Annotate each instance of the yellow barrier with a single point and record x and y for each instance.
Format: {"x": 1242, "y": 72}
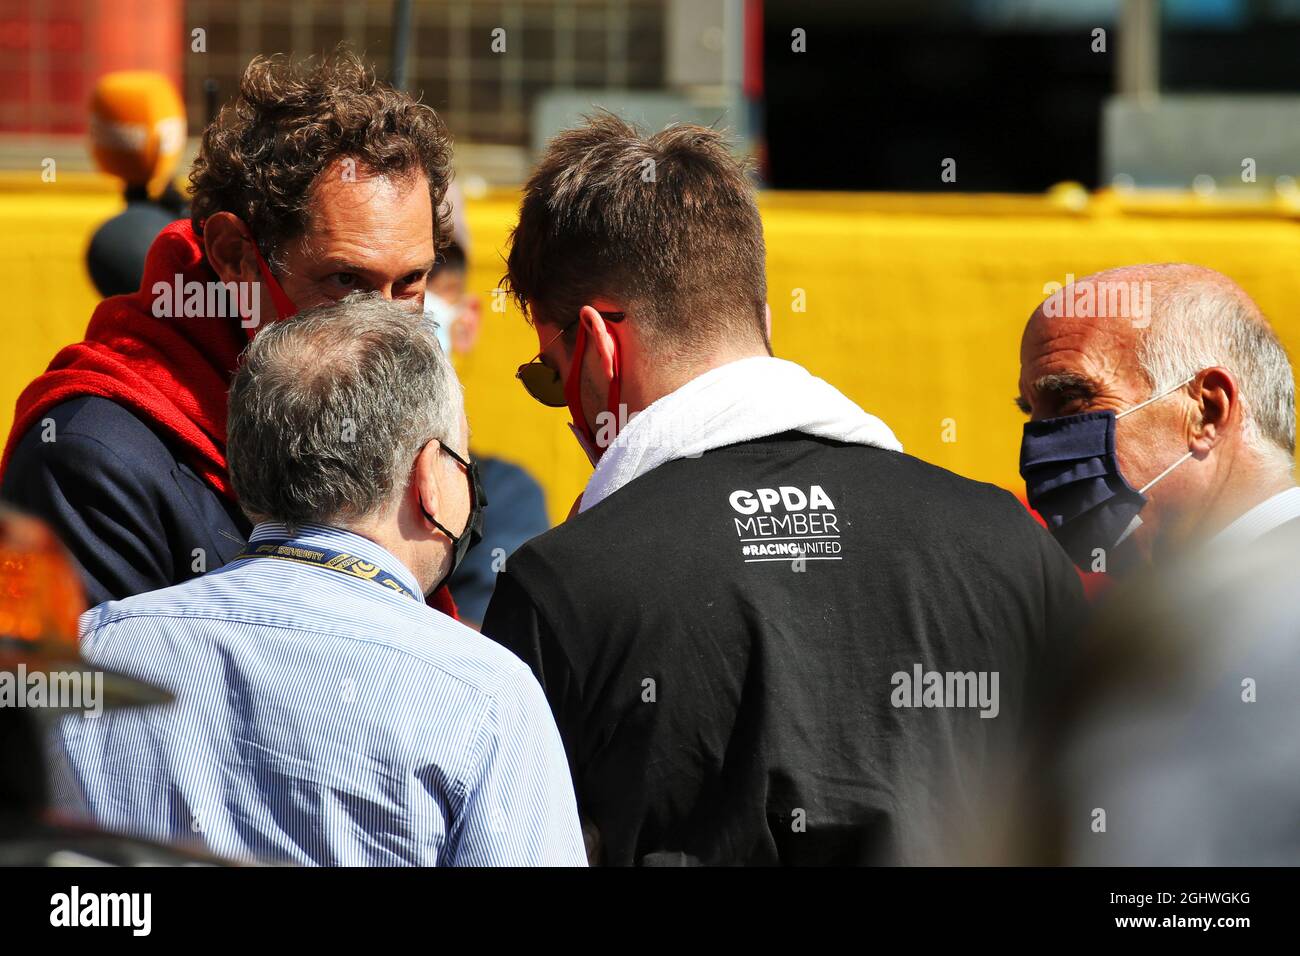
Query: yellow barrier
{"x": 912, "y": 305}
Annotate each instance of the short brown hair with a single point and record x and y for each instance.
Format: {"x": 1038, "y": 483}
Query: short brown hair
{"x": 260, "y": 157}
{"x": 666, "y": 223}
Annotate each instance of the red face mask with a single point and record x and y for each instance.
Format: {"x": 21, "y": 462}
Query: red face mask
{"x": 573, "y": 393}
{"x": 284, "y": 306}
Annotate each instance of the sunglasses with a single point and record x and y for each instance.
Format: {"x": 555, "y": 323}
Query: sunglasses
{"x": 544, "y": 383}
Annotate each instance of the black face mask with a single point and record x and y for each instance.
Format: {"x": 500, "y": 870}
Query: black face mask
{"x": 1072, "y": 478}
{"x": 473, "y": 531}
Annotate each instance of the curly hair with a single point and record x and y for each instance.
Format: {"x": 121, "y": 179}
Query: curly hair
{"x": 262, "y": 154}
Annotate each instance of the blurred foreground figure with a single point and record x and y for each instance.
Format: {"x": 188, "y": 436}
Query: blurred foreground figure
{"x": 767, "y": 635}
{"x": 1162, "y": 411}
{"x": 137, "y": 132}
{"x": 324, "y": 713}
{"x": 1179, "y": 746}
{"x": 42, "y": 678}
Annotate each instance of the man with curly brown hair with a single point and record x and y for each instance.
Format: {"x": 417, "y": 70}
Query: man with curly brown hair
{"x": 317, "y": 181}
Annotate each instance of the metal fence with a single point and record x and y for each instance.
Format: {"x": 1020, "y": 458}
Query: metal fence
{"x": 481, "y": 80}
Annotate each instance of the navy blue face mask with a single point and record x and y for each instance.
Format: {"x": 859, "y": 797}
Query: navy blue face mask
{"x": 1072, "y": 478}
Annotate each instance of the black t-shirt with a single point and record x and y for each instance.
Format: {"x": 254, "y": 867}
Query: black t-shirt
{"x": 744, "y": 651}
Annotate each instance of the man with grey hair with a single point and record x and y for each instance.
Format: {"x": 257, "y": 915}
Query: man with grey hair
{"x": 1190, "y": 357}
{"x": 325, "y": 714}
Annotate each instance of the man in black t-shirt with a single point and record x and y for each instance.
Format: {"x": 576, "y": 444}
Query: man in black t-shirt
{"x": 767, "y": 635}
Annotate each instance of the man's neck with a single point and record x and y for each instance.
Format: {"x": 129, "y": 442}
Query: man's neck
{"x": 389, "y": 536}
{"x": 668, "y": 377}
{"x": 1250, "y": 484}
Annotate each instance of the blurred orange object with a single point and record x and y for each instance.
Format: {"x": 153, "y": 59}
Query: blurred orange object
{"x": 40, "y": 596}
{"x": 40, "y": 601}
{"x": 137, "y": 127}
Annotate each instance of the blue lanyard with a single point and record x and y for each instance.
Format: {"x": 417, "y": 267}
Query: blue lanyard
{"x": 349, "y": 564}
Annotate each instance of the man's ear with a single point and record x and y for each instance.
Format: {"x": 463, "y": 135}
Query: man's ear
{"x": 424, "y": 478}
{"x": 228, "y": 248}
{"x": 1216, "y": 409}
{"x": 600, "y": 343}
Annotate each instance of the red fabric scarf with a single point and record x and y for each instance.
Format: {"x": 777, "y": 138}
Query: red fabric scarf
{"x": 172, "y": 373}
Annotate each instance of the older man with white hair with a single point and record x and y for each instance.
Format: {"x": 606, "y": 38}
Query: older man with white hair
{"x": 324, "y": 713}
{"x": 1162, "y": 411}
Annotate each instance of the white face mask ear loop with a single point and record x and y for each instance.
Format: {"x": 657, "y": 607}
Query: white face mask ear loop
{"x": 1143, "y": 490}
{"x": 1155, "y": 398}
{"x": 1132, "y": 526}
{"x": 1137, "y": 519}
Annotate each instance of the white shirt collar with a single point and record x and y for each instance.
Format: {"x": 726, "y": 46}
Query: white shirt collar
{"x": 1261, "y": 519}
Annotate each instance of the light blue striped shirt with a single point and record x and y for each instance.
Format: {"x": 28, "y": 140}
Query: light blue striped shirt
{"x": 320, "y": 719}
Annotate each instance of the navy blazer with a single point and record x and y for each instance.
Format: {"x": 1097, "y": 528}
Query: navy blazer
{"x": 515, "y": 513}
{"x": 135, "y": 516}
